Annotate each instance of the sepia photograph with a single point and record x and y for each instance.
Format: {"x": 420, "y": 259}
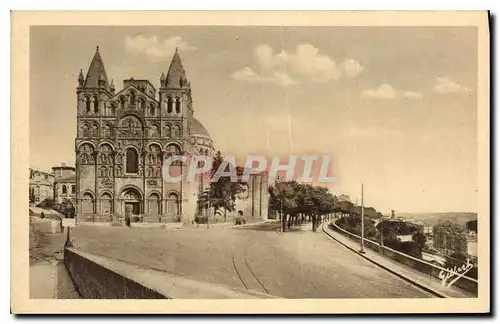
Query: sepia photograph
{"x": 328, "y": 162}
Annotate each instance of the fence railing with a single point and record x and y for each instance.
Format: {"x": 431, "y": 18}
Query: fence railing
{"x": 446, "y": 276}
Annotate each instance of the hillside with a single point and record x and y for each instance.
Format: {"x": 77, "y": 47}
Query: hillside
{"x": 431, "y": 219}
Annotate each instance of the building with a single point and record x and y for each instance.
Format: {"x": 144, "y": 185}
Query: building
{"x": 64, "y": 185}
{"x": 41, "y": 187}
{"x": 450, "y": 238}
{"x": 123, "y": 138}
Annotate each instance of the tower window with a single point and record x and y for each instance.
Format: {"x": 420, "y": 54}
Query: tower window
{"x": 73, "y": 189}
{"x": 64, "y": 189}
{"x": 132, "y": 161}
{"x": 96, "y": 105}
{"x": 178, "y": 106}
{"x": 87, "y": 104}
{"x": 142, "y": 104}
{"x": 169, "y": 105}
{"x": 132, "y": 98}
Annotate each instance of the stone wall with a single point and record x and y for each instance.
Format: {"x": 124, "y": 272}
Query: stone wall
{"x": 93, "y": 280}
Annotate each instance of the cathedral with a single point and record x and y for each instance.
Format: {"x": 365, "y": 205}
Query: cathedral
{"x": 123, "y": 138}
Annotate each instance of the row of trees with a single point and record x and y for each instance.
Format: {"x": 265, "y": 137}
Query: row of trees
{"x": 296, "y": 202}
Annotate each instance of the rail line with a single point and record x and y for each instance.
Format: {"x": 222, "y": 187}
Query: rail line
{"x": 238, "y": 272}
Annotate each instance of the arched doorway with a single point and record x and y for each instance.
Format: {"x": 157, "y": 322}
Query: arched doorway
{"x": 131, "y": 201}
{"x": 173, "y": 204}
{"x": 154, "y": 204}
{"x": 88, "y": 203}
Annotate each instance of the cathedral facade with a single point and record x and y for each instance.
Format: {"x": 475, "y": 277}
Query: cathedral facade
{"x": 123, "y": 138}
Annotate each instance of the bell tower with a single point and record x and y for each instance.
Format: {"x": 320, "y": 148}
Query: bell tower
{"x": 175, "y": 96}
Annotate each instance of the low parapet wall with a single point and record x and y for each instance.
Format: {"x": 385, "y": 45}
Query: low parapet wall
{"x": 99, "y": 277}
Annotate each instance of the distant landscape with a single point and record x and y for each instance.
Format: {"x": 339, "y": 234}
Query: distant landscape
{"x": 431, "y": 219}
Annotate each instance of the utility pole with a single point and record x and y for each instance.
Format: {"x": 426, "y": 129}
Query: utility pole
{"x": 362, "y": 250}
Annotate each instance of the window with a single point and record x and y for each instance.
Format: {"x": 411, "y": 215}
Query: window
{"x": 112, "y": 110}
{"x": 169, "y": 105}
{"x": 96, "y": 105}
{"x": 64, "y": 189}
{"x": 122, "y": 102}
{"x": 142, "y": 104}
{"x": 132, "y": 161}
{"x": 178, "y": 106}
{"x": 73, "y": 189}
{"x": 87, "y": 104}
{"x": 132, "y": 98}
{"x": 152, "y": 110}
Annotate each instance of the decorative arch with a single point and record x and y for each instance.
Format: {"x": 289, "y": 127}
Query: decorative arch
{"x": 154, "y": 130}
{"x": 177, "y": 131}
{"x": 108, "y": 143}
{"x": 86, "y": 146}
{"x": 142, "y": 104}
{"x": 168, "y": 131}
{"x": 107, "y": 130}
{"x": 88, "y": 202}
{"x": 95, "y": 129}
{"x": 173, "y": 203}
{"x": 152, "y": 110}
{"x": 132, "y": 97}
{"x": 173, "y": 147}
{"x": 153, "y": 144}
{"x": 122, "y": 102}
{"x": 106, "y": 203}
{"x": 154, "y": 203}
{"x": 85, "y": 130}
{"x": 131, "y": 192}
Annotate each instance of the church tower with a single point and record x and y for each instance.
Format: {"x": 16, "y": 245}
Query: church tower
{"x": 175, "y": 98}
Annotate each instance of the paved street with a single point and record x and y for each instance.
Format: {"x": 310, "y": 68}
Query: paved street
{"x": 299, "y": 264}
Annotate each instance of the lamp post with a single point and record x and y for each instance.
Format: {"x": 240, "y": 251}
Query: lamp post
{"x": 362, "y": 250}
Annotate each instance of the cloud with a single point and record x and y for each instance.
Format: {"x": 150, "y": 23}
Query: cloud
{"x": 447, "y": 85}
{"x": 385, "y": 91}
{"x": 305, "y": 64}
{"x": 155, "y": 48}
{"x": 248, "y": 75}
{"x": 412, "y": 95}
{"x": 352, "y": 68}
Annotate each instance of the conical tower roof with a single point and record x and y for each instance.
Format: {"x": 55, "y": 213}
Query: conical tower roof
{"x": 176, "y": 75}
{"x": 96, "y": 72}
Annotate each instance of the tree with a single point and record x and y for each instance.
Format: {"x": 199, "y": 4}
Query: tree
{"x": 223, "y": 192}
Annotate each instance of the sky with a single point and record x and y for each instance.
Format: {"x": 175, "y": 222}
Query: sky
{"x": 394, "y": 107}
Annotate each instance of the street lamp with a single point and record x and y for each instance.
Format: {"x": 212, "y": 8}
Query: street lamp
{"x": 362, "y": 250}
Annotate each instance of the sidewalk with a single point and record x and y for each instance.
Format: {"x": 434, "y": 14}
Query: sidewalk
{"x": 48, "y": 275}
{"x": 414, "y": 276}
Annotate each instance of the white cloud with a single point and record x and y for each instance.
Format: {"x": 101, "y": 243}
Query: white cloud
{"x": 305, "y": 64}
{"x": 385, "y": 91}
{"x": 412, "y": 95}
{"x": 247, "y": 74}
{"x": 155, "y": 48}
{"x": 352, "y": 68}
{"x": 447, "y": 85}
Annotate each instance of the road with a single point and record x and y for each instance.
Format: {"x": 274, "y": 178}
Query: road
{"x": 299, "y": 264}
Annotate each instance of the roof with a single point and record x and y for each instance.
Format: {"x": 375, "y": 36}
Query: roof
{"x": 197, "y": 128}
{"x": 176, "y": 72}
{"x": 96, "y": 72}
{"x": 71, "y": 178}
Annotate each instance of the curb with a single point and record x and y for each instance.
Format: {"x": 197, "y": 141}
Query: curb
{"x": 408, "y": 279}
